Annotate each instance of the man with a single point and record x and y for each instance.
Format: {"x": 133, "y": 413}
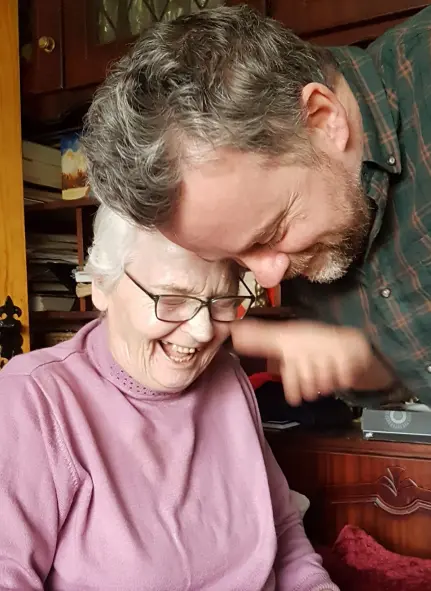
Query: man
{"x": 240, "y": 140}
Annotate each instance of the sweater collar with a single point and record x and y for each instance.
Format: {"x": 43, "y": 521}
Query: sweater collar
{"x": 98, "y": 348}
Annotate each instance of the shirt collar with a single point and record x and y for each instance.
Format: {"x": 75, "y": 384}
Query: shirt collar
{"x": 378, "y": 109}
{"x": 380, "y": 117}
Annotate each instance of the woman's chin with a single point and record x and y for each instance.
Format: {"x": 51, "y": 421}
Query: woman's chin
{"x": 175, "y": 374}
{"x": 163, "y": 382}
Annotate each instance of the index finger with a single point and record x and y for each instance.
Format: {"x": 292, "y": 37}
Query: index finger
{"x": 257, "y": 338}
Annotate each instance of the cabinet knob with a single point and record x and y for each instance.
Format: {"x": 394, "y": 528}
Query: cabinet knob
{"x": 46, "y": 44}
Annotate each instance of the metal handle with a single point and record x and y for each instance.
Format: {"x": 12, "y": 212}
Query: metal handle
{"x": 10, "y": 331}
{"x": 46, "y": 44}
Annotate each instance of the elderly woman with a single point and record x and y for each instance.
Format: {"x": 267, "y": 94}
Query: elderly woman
{"x": 132, "y": 457}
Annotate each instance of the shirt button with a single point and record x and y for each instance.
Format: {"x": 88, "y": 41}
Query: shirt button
{"x": 386, "y": 292}
{"x": 429, "y": 368}
{"x": 391, "y": 160}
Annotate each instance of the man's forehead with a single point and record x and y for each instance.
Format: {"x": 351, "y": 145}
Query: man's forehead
{"x": 201, "y": 243}
{"x": 216, "y": 236}
{"x": 216, "y": 230}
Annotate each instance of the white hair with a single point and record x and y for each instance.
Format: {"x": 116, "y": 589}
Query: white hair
{"x": 113, "y": 246}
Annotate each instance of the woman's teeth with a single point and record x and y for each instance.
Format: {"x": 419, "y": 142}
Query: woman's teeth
{"x": 177, "y": 353}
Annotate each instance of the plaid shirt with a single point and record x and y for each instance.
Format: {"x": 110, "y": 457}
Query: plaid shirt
{"x": 389, "y": 294}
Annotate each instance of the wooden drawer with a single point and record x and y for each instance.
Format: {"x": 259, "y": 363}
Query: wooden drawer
{"x": 383, "y": 488}
{"x": 308, "y": 16}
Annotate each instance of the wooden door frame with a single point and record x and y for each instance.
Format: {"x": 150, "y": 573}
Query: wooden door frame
{"x": 13, "y": 271}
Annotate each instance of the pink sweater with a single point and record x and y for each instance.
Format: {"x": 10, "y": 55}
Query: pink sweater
{"x": 107, "y": 486}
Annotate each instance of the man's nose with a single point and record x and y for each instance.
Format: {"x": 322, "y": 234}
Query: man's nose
{"x": 269, "y": 266}
{"x": 201, "y": 326}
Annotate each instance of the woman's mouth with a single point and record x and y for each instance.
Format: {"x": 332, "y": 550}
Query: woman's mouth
{"x": 177, "y": 353}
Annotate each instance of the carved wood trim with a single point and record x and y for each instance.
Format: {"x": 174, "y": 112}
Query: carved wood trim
{"x": 392, "y": 492}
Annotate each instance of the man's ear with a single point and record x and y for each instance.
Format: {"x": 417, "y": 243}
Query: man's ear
{"x": 326, "y": 118}
{"x": 98, "y": 296}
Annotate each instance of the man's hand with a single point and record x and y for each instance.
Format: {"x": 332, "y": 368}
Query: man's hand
{"x": 314, "y": 358}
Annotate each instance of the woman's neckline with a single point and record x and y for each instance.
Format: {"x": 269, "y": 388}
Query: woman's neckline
{"x": 112, "y": 371}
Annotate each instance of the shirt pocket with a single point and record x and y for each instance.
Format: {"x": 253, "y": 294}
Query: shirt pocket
{"x": 401, "y": 311}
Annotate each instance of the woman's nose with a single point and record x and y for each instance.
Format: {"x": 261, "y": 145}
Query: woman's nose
{"x": 268, "y": 266}
{"x": 201, "y": 326}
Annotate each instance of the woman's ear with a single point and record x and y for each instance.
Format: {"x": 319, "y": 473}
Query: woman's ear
{"x": 98, "y": 295}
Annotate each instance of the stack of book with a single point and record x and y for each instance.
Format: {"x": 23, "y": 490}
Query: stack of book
{"x": 51, "y": 258}
{"x": 36, "y": 195}
{"x": 41, "y": 165}
{"x": 52, "y": 248}
{"x": 42, "y": 173}
{"x": 278, "y": 425}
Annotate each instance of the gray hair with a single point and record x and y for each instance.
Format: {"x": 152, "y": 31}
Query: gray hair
{"x": 113, "y": 247}
{"x": 225, "y": 77}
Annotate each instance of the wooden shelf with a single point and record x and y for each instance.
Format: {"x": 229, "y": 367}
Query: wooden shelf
{"x": 62, "y": 204}
{"x": 78, "y": 316}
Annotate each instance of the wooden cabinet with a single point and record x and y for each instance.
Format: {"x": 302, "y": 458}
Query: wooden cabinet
{"x": 382, "y": 487}
{"x": 67, "y": 45}
{"x": 13, "y": 280}
{"x": 41, "y": 41}
{"x": 96, "y": 32}
{"x": 320, "y": 18}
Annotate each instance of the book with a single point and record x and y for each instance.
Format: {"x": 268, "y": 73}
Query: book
{"x": 81, "y": 276}
{"x": 42, "y": 174}
{"x": 47, "y": 287}
{"x": 279, "y": 425}
{"x": 83, "y": 290}
{"x": 54, "y": 303}
{"x": 32, "y": 151}
{"x": 34, "y": 195}
{"x": 41, "y": 165}
{"x": 52, "y": 248}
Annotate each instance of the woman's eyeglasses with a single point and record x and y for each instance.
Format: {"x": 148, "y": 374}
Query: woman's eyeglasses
{"x": 181, "y": 308}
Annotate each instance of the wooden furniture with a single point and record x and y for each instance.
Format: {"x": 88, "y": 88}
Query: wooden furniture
{"x": 343, "y": 22}
{"x": 382, "y": 487}
{"x": 70, "y": 43}
{"x": 73, "y": 218}
{"x": 67, "y": 45}
{"x": 13, "y": 281}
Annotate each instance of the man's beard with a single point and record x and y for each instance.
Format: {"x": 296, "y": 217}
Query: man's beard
{"x": 331, "y": 258}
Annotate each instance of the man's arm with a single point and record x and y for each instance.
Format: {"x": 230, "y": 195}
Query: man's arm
{"x": 314, "y": 358}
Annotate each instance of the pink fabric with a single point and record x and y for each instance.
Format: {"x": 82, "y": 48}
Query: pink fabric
{"x": 358, "y": 563}
{"x": 105, "y": 485}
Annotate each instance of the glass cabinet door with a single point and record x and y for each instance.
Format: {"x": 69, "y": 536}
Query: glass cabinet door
{"x": 121, "y": 20}
{"x": 96, "y": 32}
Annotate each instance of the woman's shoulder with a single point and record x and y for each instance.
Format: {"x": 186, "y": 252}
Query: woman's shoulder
{"x": 226, "y": 376}
{"x": 27, "y": 363}
{"x": 29, "y": 368}
{"x": 226, "y": 366}
{"x": 226, "y": 361}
